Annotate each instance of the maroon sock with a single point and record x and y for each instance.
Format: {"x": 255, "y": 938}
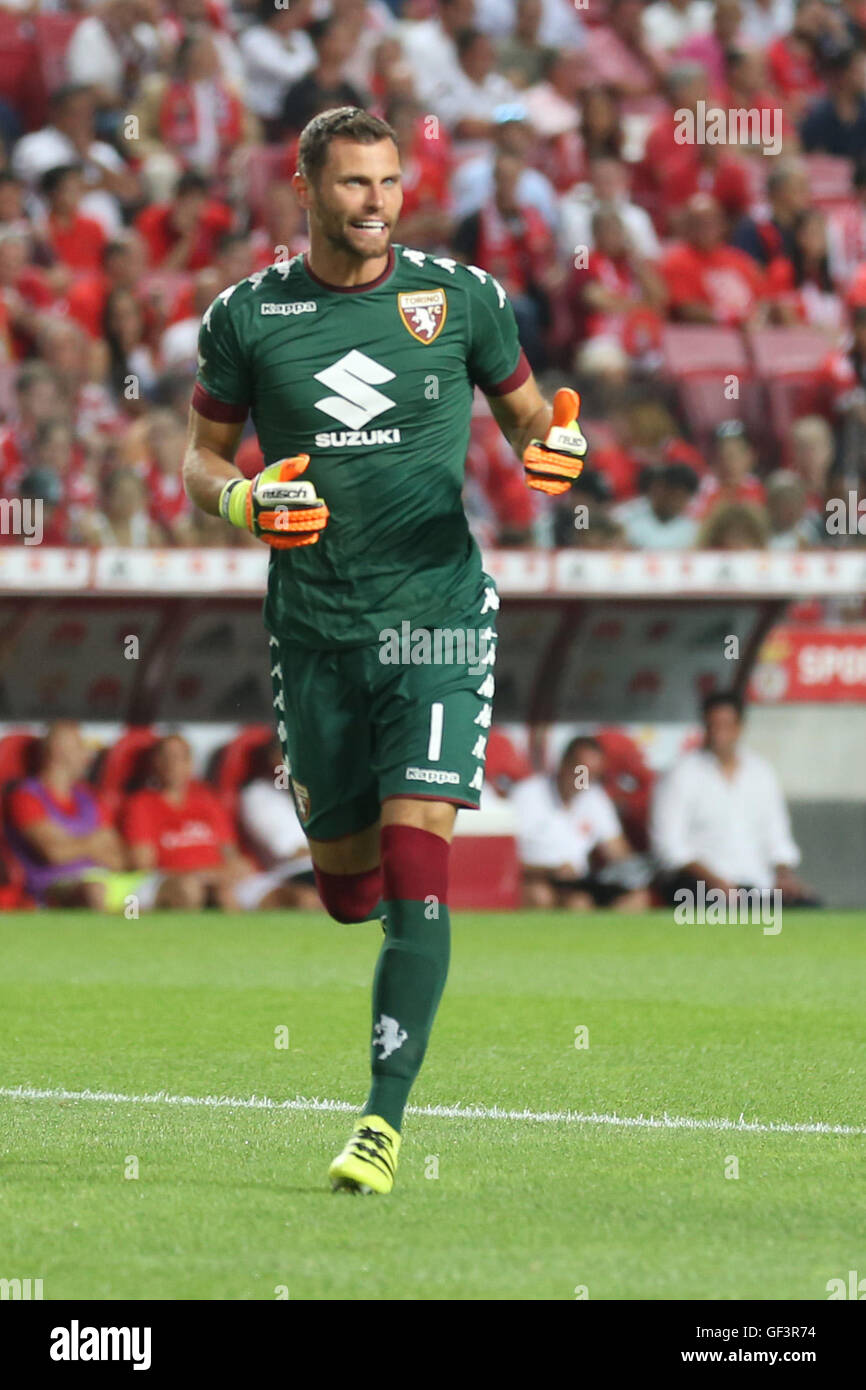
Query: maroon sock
{"x": 350, "y": 897}
{"x": 414, "y": 864}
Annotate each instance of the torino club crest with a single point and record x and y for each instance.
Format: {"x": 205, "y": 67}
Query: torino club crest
{"x": 423, "y": 312}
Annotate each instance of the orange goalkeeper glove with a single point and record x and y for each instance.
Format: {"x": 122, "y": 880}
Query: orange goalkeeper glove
{"x": 552, "y": 464}
{"x": 276, "y": 506}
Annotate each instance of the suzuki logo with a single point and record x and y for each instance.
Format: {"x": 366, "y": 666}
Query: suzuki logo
{"x": 355, "y": 376}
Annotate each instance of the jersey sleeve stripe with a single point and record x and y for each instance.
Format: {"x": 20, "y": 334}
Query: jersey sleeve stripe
{"x": 223, "y": 412}
{"x": 512, "y": 381}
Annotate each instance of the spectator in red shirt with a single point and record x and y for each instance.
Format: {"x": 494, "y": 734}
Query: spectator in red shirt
{"x": 425, "y": 218}
{"x": 38, "y": 398}
{"x": 169, "y": 504}
{"x": 711, "y": 49}
{"x": 793, "y": 60}
{"x": 707, "y": 281}
{"x": 674, "y": 168}
{"x": 618, "y": 54}
{"x": 183, "y": 234}
{"x": 58, "y": 829}
{"x": 24, "y": 291}
{"x": 56, "y": 448}
{"x": 200, "y": 118}
{"x": 732, "y": 479}
{"x": 746, "y": 88}
{"x": 123, "y": 266}
{"x": 514, "y": 244}
{"x": 617, "y": 283}
{"x": 76, "y": 240}
{"x": 181, "y": 830}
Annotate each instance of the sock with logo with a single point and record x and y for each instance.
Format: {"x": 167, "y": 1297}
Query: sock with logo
{"x": 412, "y": 966}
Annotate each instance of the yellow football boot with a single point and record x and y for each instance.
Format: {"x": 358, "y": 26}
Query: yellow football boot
{"x": 369, "y": 1160}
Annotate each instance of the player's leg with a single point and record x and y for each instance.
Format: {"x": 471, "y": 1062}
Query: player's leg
{"x": 431, "y": 727}
{"x": 321, "y": 716}
{"x": 348, "y": 875}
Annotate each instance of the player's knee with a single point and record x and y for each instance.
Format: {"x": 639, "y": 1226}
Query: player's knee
{"x": 350, "y": 897}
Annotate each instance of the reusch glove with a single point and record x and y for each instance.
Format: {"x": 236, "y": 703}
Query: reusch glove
{"x": 552, "y": 464}
{"x": 277, "y": 506}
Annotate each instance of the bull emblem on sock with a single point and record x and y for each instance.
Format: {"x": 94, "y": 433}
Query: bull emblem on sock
{"x": 388, "y": 1035}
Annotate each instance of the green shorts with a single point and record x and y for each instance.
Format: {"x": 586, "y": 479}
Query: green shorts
{"x": 409, "y": 716}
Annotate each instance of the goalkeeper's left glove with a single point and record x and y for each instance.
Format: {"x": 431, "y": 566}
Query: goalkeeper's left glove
{"x": 552, "y": 464}
{"x": 282, "y": 511}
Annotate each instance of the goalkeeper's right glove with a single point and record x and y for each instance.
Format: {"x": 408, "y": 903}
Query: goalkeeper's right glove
{"x": 282, "y": 511}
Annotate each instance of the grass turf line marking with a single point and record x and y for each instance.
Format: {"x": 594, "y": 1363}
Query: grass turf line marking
{"x": 445, "y": 1112}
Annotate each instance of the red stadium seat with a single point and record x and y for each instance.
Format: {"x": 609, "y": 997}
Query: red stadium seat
{"x": 504, "y": 765}
{"x": 628, "y": 782}
{"x": 698, "y": 359}
{"x": 18, "y": 758}
{"x": 234, "y": 764}
{"x": 124, "y": 767}
{"x": 18, "y": 754}
{"x": 53, "y": 33}
{"x": 787, "y": 361}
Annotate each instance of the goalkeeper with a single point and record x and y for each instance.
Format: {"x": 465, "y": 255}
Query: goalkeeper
{"x": 357, "y": 361}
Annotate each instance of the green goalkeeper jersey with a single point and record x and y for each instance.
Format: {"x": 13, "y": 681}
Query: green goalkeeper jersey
{"x": 376, "y": 385}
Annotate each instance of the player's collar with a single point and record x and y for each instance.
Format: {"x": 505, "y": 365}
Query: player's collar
{"x": 351, "y": 289}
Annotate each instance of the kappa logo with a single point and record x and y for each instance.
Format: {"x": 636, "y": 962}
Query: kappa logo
{"x": 354, "y": 379}
{"x": 388, "y": 1035}
{"x": 423, "y": 313}
{"x": 297, "y": 306}
{"x": 434, "y": 775}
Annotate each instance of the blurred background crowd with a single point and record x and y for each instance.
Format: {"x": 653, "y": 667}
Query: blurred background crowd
{"x": 709, "y": 299}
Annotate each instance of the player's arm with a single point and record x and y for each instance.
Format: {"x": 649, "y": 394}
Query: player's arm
{"x": 548, "y": 438}
{"x": 57, "y": 846}
{"x": 522, "y": 415}
{"x": 209, "y": 459}
{"x": 274, "y": 506}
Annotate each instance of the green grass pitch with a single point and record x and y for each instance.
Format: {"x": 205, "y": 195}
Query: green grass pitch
{"x": 698, "y": 1023}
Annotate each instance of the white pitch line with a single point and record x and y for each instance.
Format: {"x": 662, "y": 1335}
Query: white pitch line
{"x": 444, "y": 1112}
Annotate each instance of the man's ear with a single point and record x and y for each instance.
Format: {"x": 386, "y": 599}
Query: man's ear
{"x": 302, "y": 190}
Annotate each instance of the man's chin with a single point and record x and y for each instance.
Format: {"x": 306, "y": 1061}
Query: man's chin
{"x": 363, "y": 248}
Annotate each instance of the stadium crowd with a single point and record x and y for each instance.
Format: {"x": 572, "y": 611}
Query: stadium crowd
{"x": 146, "y": 151}
{"x": 135, "y": 830}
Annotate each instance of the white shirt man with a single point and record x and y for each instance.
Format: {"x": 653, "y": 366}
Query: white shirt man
{"x": 734, "y": 824}
{"x": 45, "y": 149}
{"x": 430, "y": 52}
{"x": 553, "y": 835}
{"x": 579, "y": 205}
{"x": 456, "y": 97}
{"x": 273, "y": 62}
{"x": 646, "y": 530}
{"x": 97, "y": 57}
{"x": 267, "y": 814}
{"x": 667, "y": 26}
